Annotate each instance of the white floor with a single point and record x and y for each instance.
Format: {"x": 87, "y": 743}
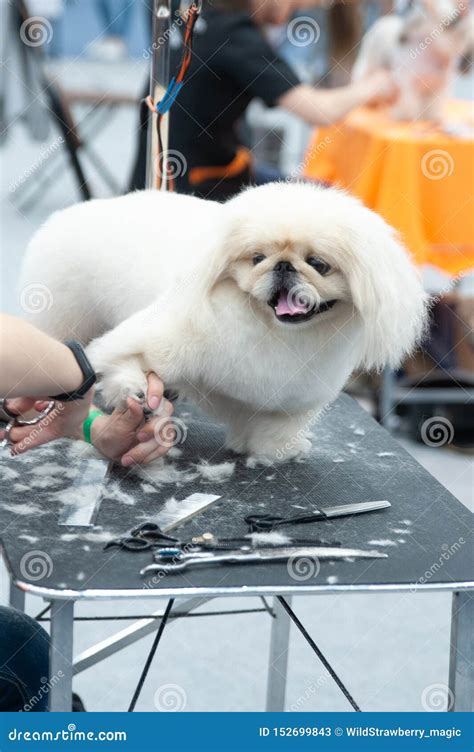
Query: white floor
{"x": 387, "y": 648}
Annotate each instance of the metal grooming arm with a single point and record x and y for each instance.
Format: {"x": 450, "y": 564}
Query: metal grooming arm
{"x": 159, "y": 80}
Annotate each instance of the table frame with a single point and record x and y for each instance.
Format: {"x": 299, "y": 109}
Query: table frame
{"x": 461, "y": 659}
{"x": 391, "y": 395}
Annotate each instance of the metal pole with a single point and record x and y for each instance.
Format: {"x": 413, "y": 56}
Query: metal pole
{"x": 159, "y": 80}
{"x": 278, "y": 659}
{"x": 60, "y": 656}
{"x": 461, "y": 663}
{"x": 17, "y": 597}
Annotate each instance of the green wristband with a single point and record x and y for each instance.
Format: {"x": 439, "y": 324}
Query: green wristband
{"x": 87, "y": 425}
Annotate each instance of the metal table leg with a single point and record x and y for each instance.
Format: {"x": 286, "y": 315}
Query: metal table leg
{"x": 60, "y": 656}
{"x": 278, "y": 659}
{"x": 17, "y": 597}
{"x": 461, "y": 661}
{"x": 386, "y": 397}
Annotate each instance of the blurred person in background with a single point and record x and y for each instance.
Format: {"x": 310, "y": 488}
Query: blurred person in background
{"x": 329, "y": 61}
{"x": 233, "y": 64}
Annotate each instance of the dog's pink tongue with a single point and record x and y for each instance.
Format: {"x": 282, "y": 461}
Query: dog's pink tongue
{"x": 288, "y": 306}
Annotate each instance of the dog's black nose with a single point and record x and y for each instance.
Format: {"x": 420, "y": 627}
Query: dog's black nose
{"x": 284, "y": 266}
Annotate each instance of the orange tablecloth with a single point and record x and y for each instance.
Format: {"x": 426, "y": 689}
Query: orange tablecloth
{"x": 419, "y": 179}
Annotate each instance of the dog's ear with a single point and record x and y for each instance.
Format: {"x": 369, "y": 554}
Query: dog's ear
{"x": 210, "y": 267}
{"x": 228, "y": 241}
{"x": 387, "y": 292}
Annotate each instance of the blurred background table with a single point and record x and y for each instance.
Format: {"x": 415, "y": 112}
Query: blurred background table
{"x": 417, "y": 176}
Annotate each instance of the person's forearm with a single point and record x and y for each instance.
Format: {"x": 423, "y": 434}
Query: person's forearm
{"x": 321, "y": 107}
{"x": 32, "y": 363}
{"x": 335, "y": 104}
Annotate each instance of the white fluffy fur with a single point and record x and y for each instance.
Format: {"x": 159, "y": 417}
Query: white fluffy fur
{"x": 147, "y": 276}
{"x": 423, "y": 49}
{"x": 219, "y": 473}
{"x": 270, "y": 538}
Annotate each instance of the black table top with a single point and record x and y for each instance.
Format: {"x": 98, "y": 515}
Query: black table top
{"x": 427, "y": 533}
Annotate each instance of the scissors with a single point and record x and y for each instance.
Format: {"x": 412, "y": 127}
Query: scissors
{"x": 265, "y": 522}
{"x": 150, "y": 535}
{"x": 16, "y": 421}
{"x": 209, "y": 542}
{"x": 170, "y": 560}
{"x": 141, "y": 538}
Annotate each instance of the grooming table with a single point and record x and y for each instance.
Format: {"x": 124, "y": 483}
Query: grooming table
{"x": 426, "y": 533}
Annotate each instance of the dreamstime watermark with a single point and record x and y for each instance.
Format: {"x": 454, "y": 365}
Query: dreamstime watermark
{"x": 302, "y": 568}
{"x": 160, "y": 574}
{"x": 310, "y": 690}
{"x": 448, "y": 551}
{"x": 46, "y": 685}
{"x": 36, "y": 565}
{"x": 69, "y": 734}
{"x": 147, "y": 54}
{"x": 438, "y": 30}
{"x": 437, "y": 431}
{"x": 303, "y": 433}
{"x": 437, "y": 164}
{"x": 448, "y": 288}
{"x": 36, "y": 298}
{"x": 36, "y": 31}
{"x": 301, "y": 299}
{"x": 437, "y": 698}
{"x": 180, "y": 21}
{"x": 38, "y": 428}
{"x": 170, "y": 698}
{"x": 43, "y": 156}
{"x": 170, "y": 431}
{"x": 175, "y": 164}
{"x": 314, "y": 151}
{"x": 303, "y": 31}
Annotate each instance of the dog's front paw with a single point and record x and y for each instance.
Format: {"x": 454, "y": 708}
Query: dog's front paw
{"x": 121, "y": 375}
{"x": 120, "y": 382}
{"x": 278, "y": 451}
{"x": 294, "y": 450}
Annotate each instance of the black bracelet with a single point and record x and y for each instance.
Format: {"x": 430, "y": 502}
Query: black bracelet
{"x": 87, "y": 371}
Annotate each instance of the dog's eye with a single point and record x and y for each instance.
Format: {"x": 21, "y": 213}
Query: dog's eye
{"x": 321, "y": 267}
{"x": 258, "y": 258}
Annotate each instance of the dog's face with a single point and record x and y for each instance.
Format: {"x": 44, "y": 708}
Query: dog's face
{"x": 294, "y": 282}
{"x": 305, "y": 259}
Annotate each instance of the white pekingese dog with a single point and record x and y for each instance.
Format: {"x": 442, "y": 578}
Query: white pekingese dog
{"x": 258, "y": 309}
{"x": 423, "y": 49}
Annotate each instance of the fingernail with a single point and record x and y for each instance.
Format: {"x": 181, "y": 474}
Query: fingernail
{"x": 142, "y": 436}
{"x": 127, "y": 461}
{"x": 154, "y": 402}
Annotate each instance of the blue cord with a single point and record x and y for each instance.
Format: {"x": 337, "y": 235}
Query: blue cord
{"x": 169, "y": 97}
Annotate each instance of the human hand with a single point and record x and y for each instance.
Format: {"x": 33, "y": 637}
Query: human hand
{"x": 125, "y": 437}
{"x": 63, "y": 421}
{"x": 155, "y": 389}
{"x": 377, "y": 88}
